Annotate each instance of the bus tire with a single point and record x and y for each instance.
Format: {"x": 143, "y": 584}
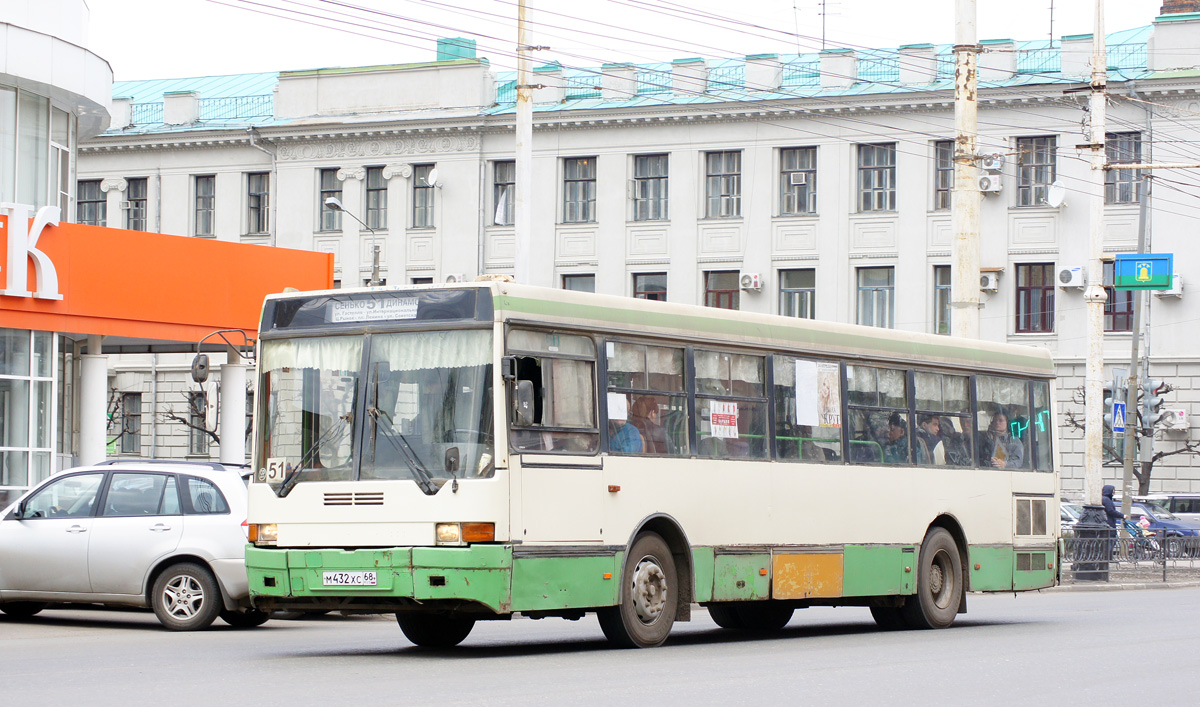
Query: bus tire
{"x": 434, "y": 630}
{"x": 888, "y": 618}
{"x": 649, "y": 596}
{"x": 939, "y": 583}
{"x": 751, "y": 616}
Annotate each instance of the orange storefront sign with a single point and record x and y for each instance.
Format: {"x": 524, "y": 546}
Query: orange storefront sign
{"x": 145, "y": 285}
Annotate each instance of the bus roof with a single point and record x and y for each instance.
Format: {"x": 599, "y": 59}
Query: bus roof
{"x": 567, "y": 308}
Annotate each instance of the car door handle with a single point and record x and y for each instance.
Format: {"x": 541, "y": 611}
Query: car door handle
{"x": 77, "y": 529}
{"x": 159, "y": 528}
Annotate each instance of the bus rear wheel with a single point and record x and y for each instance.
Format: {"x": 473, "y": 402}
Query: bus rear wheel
{"x": 751, "y": 616}
{"x": 939, "y": 583}
{"x": 435, "y": 630}
{"x": 649, "y": 596}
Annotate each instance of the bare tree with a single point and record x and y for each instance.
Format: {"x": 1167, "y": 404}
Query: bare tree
{"x": 1114, "y": 450}
{"x": 196, "y": 408}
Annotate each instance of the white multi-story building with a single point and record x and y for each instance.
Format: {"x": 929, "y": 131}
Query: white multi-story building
{"x": 813, "y": 185}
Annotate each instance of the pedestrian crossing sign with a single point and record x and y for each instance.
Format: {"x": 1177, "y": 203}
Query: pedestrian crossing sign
{"x": 1118, "y": 417}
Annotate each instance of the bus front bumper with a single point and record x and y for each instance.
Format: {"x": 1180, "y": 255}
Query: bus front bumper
{"x": 481, "y": 574}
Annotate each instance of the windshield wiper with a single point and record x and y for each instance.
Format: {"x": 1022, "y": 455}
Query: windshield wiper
{"x": 293, "y": 477}
{"x": 400, "y": 443}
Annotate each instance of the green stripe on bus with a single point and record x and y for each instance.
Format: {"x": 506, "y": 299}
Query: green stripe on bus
{"x": 995, "y": 573}
{"x": 548, "y": 583}
{"x": 876, "y": 570}
{"x": 812, "y": 337}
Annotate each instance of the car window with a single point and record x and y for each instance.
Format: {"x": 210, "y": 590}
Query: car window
{"x": 202, "y": 497}
{"x": 69, "y": 497}
{"x": 141, "y": 495}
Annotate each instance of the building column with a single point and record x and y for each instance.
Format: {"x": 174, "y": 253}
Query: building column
{"x": 233, "y": 410}
{"x": 114, "y": 194}
{"x": 93, "y": 403}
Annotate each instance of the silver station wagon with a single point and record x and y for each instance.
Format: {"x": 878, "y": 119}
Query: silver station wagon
{"x": 166, "y": 535}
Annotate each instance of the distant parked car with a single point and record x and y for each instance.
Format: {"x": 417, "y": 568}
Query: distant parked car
{"x": 166, "y": 535}
{"x": 1069, "y": 514}
{"x": 1181, "y": 535}
{"x": 1184, "y": 506}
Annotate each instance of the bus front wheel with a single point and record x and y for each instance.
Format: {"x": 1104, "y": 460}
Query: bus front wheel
{"x": 649, "y": 597}
{"x": 939, "y": 583}
{"x": 434, "y": 630}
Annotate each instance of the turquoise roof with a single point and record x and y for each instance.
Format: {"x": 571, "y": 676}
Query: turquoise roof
{"x": 247, "y": 99}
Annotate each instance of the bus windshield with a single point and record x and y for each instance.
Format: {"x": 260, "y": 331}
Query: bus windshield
{"x": 428, "y": 408}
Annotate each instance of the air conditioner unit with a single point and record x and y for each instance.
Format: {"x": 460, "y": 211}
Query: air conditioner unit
{"x": 1176, "y": 288}
{"x": 1072, "y": 277}
{"x": 751, "y": 281}
{"x": 454, "y": 277}
{"x": 989, "y": 281}
{"x": 990, "y": 184}
{"x": 1174, "y": 419}
{"x": 992, "y": 163}
{"x": 797, "y": 179}
{"x": 125, "y": 205}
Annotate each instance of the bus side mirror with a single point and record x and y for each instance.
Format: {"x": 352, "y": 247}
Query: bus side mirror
{"x": 523, "y": 404}
{"x": 508, "y": 368}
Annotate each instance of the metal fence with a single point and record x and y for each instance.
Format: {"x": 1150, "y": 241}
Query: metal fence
{"x": 1147, "y": 556}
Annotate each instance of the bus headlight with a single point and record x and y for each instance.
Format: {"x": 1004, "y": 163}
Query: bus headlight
{"x": 460, "y": 533}
{"x": 263, "y": 533}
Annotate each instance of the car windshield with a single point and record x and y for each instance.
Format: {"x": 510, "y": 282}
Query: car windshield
{"x": 1158, "y": 513}
{"x": 310, "y": 387}
{"x": 429, "y": 407}
{"x": 1071, "y": 510}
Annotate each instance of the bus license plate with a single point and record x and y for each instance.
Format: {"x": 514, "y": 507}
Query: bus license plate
{"x": 349, "y": 579}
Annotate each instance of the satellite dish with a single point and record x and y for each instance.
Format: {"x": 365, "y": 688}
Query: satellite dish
{"x": 431, "y": 178}
{"x": 1056, "y": 194}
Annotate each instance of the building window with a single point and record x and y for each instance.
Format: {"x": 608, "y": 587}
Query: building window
{"x": 1121, "y": 185}
{"x": 331, "y": 186}
{"x": 376, "y": 199}
{"x": 135, "y": 212}
{"x": 877, "y": 177}
{"x": 650, "y": 188}
{"x": 579, "y": 190}
{"x": 198, "y": 423}
{"x": 28, "y": 374}
{"x": 650, "y": 285}
{"x": 723, "y": 184}
{"x": 798, "y": 293}
{"x": 504, "y": 192}
{"x": 423, "y": 196}
{"x": 131, "y": 423}
{"x": 1118, "y": 308}
{"x": 876, "y": 297}
{"x": 91, "y": 207}
{"x": 258, "y": 202}
{"x": 797, "y": 181}
{"x": 61, "y": 126}
{"x": 206, "y": 197}
{"x": 1035, "y": 169}
{"x": 1035, "y": 298}
{"x": 579, "y": 283}
{"x": 941, "y": 299}
{"x": 422, "y": 281}
{"x": 943, "y": 174}
{"x": 721, "y": 289}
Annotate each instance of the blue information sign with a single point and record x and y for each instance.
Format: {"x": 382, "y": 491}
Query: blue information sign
{"x": 1118, "y": 419}
{"x": 1143, "y": 271}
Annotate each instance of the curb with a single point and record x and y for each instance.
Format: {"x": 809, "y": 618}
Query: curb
{"x": 1118, "y": 586}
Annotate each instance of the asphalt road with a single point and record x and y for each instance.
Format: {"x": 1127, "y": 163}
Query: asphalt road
{"x": 1122, "y": 647}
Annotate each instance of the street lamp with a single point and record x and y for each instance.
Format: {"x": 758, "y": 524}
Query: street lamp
{"x": 334, "y": 203}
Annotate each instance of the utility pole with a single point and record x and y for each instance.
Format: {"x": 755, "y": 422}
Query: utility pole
{"x": 966, "y": 199}
{"x": 523, "y": 202}
{"x": 1095, "y": 296}
{"x": 1131, "y": 427}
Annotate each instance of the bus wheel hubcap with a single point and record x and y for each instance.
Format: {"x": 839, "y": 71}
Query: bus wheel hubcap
{"x": 649, "y": 590}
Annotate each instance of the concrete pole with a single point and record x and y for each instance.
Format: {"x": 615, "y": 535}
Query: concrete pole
{"x": 1132, "y": 383}
{"x": 1095, "y": 297}
{"x": 966, "y": 199}
{"x": 93, "y": 403}
{"x": 233, "y": 410}
{"x": 523, "y": 202}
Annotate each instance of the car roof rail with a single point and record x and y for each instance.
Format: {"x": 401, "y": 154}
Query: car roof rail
{"x": 210, "y": 465}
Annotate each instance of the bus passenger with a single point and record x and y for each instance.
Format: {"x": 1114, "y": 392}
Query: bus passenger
{"x": 930, "y": 449}
{"x": 644, "y": 415}
{"x": 624, "y": 437}
{"x": 998, "y": 448}
{"x": 895, "y": 445}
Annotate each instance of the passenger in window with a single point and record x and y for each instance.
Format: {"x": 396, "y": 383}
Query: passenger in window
{"x": 955, "y": 442}
{"x": 624, "y": 437}
{"x": 645, "y": 416}
{"x": 895, "y": 445}
{"x": 998, "y": 448}
{"x": 930, "y": 449}
{"x": 809, "y": 451}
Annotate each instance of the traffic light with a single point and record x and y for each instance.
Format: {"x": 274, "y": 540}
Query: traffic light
{"x": 1152, "y": 402}
{"x": 1115, "y": 392}
{"x": 1108, "y": 407}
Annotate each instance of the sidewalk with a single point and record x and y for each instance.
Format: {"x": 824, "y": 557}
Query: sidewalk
{"x": 1118, "y": 586}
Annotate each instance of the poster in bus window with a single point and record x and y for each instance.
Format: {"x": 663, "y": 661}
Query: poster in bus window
{"x": 724, "y": 420}
{"x": 818, "y": 395}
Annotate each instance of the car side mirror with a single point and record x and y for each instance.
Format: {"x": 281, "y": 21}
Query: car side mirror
{"x": 523, "y": 404}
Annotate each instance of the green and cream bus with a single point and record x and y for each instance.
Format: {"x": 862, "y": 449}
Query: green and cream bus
{"x": 470, "y": 452}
